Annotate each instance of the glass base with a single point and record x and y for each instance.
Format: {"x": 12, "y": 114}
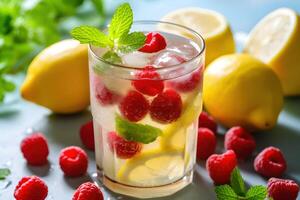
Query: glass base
{"x": 145, "y": 192}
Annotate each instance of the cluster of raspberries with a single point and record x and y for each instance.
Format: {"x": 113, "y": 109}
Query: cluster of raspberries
{"x": 240, "y": 144}
{"x": 73, "y": 162}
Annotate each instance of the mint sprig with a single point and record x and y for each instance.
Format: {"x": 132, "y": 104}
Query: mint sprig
{"x": 4, "y": 172}
{"x": 136, "y": 132}
{"x": 237, "y": 190}
{"x": 237, "y": 183}
{"x": 121, "y": 22}
{"x": 118, "y": 40}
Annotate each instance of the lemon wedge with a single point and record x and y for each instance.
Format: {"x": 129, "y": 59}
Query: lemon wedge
{"x": 210, "y": 24}
{"x": 152, "y": 168}
{"x": 174, "y": 134}
{"x": 276, "y": 41}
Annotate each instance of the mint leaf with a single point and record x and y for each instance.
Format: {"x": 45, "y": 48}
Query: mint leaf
{"x": 237, "y": 183}
{"x": 257, "y": 192}
{"x": 131, "y": 42}
{"x": 4, "y": 172}
{"x": 91, "y": 35}
{"x": 111, "y": 56}
{"x": 225, "y": 192}
{"x": 136, "y": 132}
{"x": 121, "y": 22}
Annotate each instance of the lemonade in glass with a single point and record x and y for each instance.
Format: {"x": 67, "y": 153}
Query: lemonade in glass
{"x": 145, "y": 111}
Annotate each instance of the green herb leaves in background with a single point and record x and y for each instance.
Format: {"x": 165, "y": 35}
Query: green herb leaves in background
{"x": 237, "y": 190}
{"x": 136, "y": 132}
{"x": 4, "y": 172}
{"x": 118, "y": 39}
{"x": 28, "y": 26}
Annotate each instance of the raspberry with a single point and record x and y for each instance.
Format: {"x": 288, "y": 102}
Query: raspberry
{"x": 124, "y": 149}
{"x": 31, "y": 188}
{"x": 240, "y": 141}
{"x": 105, "y": 96}
{"x": 73, "y": 161}
{"x": 206, "y": 144}
{"x": 154, "y": 43}
{"x": 88, "y": 191}
{"x": 270, "y": 162}
{"x": 134, "y": 106}
{"x": 280, "y": 189}
{"x": 35, "y": 149}
{"x": 166, "y": 107}
{"x": 87, "y": 135}
{"x": 148, "y": 82}
{"x": 206, "y": 121}
{"x": 220, "y": 166}
{"x": 189, "y": 82}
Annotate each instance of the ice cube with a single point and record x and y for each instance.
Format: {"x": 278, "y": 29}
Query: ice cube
{"x": 167, "y": 58}
{"x": 136, "y": 59}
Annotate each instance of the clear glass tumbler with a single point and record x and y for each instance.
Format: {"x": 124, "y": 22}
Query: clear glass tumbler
{"x": 146, "y": 125}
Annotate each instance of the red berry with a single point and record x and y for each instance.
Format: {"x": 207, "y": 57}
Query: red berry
{"x": 220, "y": 166}
{"x": 154, "y": 43}
{"x": 280, "y": 189}
{"x": 240, "y": 141}
{"x": 188, "y": 82}
{"x": 88, "y": 191}
{"x": 124, "y": 149}
{"x": 206, "y": 144}
{"x": 31, "y": 188}
{"x": 134, "y": 106}
{"x": 166, "y": 107}
{"x": 87, "y": 135}
{"x": 148, "y": 82}
{"x": 35, "y": 149}
{"x": 270, "y": 162}
{"x": 105, "y": 96}
{"x": 73, "y": 161}
{"x": 206, "y": 121}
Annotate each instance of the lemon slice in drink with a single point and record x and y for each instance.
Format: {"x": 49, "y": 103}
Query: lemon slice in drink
{"x": 174, "y": 135}
{"x": 152, "y": 168}
{"x": 276, "y": 41}
{"x": 211, "y": 25}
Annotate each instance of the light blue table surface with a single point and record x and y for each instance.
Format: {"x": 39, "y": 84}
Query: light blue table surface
{"x": 62, "y": 131}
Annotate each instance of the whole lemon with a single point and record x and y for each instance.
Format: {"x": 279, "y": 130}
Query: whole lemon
{"x": 241, "y": 90}
{"x": 58, "y": 78}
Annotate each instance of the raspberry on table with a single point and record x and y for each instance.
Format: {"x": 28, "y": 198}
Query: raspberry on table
{"x": 270, "y": 162}
{"x": 189, "y": 83}
{"x": 35, "y": 149}
{"x": 148, "y": 81}
{"x": 206, "y": 144}
{"x": 154, "y": 43}
{"x": 240, "y": 141}
{"x": 206, "y": 121}
{"x": 31, "y": 188}
{"x": 73, "y": 161}
{"x": 88, "y": 191}
{"x": 166, "y": 107}
{"x": 282, "y": 189}
{"x": 220, "y": 166}
{"x": 87, "y": 135}
{"x": 124, "y": 149}
{"x": 134, "y": 106}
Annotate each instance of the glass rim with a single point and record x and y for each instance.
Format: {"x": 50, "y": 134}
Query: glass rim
{"x": 202, "y": 49}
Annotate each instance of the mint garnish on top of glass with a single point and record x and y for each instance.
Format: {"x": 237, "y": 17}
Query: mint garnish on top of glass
{"x": 117, "y": 40}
